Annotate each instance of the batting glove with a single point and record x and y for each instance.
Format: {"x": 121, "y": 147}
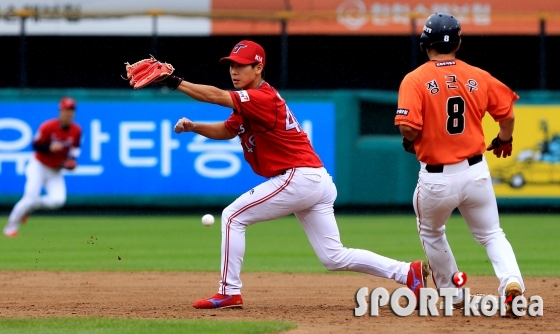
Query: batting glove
{"x": 408, "y": 145}
{"x": 501, "y": 148}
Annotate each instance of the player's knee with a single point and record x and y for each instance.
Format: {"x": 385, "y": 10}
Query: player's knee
{"x": 334, "y": 266}
{"x": 226, "y": 214}
{"x": 227, "y": 217}
{"x": 55, "y": 202}
{"x": 481, "y": 240}
{"x": 59, "y": 203}
{"x": 31, "y": 200}
{"x": 230, "y": 217}
{"x": 484, "y": 239}
{"x": 432, "y": 231}
{"x": 331, "y": 264}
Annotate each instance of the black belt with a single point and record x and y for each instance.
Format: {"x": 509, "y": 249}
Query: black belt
{"x": 439, "y": 168}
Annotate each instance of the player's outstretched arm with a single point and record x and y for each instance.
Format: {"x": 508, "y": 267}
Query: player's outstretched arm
{"x": 216, "y": 131}
{"x": 147, "y": 71}
{"x": 205, "y": 93}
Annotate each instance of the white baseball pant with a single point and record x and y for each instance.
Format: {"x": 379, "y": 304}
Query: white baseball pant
{"x": 309, "y": 193}
{"x": 468, "y": 188}
{"x": 38, "y": 176}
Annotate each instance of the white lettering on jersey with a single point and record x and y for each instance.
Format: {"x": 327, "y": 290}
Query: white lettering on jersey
{"x": 241, "y": 130}
{"x": 243, "y": 95}
{"x": 249, "y": 148}
{"x": 250, "y": 144}
{"x": 291, "y": 121}
{"x": 446, "y": 63}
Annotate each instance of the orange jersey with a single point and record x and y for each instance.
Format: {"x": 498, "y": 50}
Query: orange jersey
{"x": 446, "y": 101}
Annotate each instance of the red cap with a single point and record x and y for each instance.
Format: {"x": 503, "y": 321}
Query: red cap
{"x": 245, "y": 53}
{"x": 67, "y": 103}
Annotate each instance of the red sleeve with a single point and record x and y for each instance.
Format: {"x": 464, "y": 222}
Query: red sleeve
{"x": 234, "y": 122}
{"x": 500, "y": 99}
{"x": 409, "y": 110}
{"x": 256, "y": 105}
{"x": 43, "y": 134}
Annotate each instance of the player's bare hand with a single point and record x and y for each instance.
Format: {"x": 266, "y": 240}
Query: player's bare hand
{"x": 69, "y": 164}
{"x": 56, "y": 146}
{"x": 184, "y": 125}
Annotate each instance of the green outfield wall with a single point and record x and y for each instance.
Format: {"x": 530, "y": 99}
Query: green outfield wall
{"x": 371, "y": 168}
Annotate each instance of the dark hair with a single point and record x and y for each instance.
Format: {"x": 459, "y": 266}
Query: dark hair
{"x": 444, "y": 48}
{"x": 255, "y": 64}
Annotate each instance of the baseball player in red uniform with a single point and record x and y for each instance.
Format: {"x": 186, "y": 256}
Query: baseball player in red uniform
{"x": 56, "y": 146}
{"x": 276, "y": 147}
{"x": 440, "y": 110}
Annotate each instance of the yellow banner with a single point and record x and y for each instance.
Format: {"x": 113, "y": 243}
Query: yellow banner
{"x": 533, "y": 170}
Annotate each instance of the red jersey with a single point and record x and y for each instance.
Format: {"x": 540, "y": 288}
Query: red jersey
{"x": 51, "y": 131}
{"x": 272, "y": 138}
{"x": 446, "y": 101}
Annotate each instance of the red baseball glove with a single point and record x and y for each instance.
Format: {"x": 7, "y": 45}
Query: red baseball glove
{"x": 69, "y": 164}
{"x": 146, "y": 71}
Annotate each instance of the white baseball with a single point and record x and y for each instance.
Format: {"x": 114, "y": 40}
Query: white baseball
{"x": 207, "y": 220}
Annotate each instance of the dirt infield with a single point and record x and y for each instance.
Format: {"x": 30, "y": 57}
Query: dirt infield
{"x": 318, "y": 303}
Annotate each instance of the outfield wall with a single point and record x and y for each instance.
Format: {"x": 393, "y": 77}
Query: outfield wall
{"x": 130, "y": 155}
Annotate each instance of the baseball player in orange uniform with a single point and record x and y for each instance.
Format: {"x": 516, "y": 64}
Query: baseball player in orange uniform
{"x": 56, "y": 145}
{"x": 276, "y": 147}
{"x": 440, "y": 110}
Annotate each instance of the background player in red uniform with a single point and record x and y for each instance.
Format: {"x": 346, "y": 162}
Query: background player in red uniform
{"x": 56, "y": 146}
{"x": 276, "y": 147}
{"x": 440, "y": 110}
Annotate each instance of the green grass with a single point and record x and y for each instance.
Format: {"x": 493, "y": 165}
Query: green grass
{"x": 137, "y": 326}
{"x": 182, "y": 243}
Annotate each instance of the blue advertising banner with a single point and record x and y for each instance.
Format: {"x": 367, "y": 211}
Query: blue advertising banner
{"x": 129, "y": 148}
